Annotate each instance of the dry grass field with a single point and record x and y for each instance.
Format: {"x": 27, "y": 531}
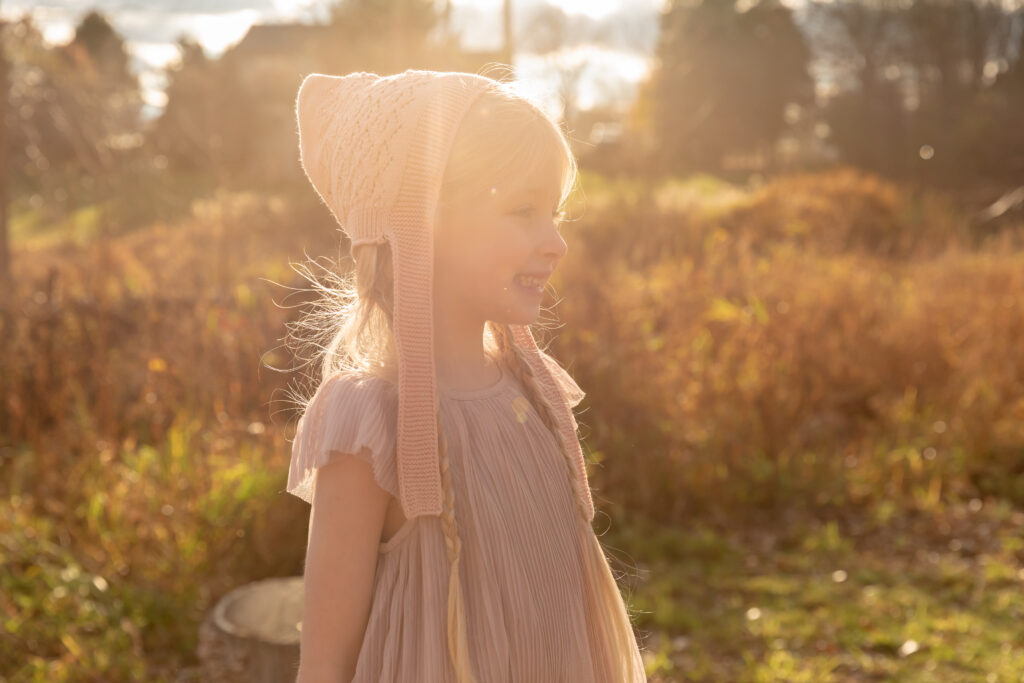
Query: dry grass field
{"x": 804, "y": 414}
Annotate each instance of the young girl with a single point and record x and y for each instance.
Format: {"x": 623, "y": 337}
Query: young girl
{"x": 450, "y": 536}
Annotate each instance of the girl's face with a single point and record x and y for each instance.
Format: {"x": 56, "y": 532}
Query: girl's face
{"x": 484, "y": 241}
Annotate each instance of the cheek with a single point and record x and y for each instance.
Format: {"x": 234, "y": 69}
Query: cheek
{"x": 484, "y": 250}
{"x": 490, "y": 265}
{"x": 470, "y": 262}
{"x": 494, "y": 246}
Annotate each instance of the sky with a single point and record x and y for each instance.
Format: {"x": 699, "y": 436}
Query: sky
{"x": 151, "y": 29}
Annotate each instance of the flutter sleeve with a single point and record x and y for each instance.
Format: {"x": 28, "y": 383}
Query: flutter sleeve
{"x": 348, "y": 415}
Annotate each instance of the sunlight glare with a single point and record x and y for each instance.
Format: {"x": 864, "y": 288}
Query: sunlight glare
{"x": 58, "y": 33}
{"x": 595, "y": 9}
{"x": 217, "y": 32}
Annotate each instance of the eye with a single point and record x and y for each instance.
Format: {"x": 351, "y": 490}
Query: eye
{"x": 530, "y": 211}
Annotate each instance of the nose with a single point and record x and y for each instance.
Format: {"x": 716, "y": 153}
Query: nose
{"x": 554, "y": 245}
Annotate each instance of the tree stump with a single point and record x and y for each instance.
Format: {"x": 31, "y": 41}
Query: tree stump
{"x": 252, "y": 634}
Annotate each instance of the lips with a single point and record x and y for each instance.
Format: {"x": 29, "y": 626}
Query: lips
{"x": 530, "y": 281}
{"x": 541, "y": 275}
{"x": 534, "y": 288}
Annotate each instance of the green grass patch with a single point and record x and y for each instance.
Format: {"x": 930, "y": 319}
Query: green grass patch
{"x": 814, "y": 603}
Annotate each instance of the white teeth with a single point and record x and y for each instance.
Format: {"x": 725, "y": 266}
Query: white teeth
{"x": 529, "y": 281}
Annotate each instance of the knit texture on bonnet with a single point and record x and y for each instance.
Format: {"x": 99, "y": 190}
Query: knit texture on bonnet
{"x": 375, "y": 150}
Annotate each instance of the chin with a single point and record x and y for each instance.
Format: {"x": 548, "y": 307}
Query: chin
{"x": 517, "y": 309}
{"x": 519, "y": 315}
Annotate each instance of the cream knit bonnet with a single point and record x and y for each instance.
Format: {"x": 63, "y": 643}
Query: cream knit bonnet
{"x": 375, "y": 149}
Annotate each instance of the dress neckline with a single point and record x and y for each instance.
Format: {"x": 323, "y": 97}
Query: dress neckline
{"x": 474, "y": 394}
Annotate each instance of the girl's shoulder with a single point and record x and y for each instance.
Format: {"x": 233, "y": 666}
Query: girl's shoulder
{"x": 350, "y": 396}
{"x": 355, "y": 383}
{"x": 351, "y": 413}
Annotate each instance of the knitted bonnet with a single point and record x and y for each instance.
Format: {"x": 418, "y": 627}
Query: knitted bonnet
{"x": 375, "y": 149}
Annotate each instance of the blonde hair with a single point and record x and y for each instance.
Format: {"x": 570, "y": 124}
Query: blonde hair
{"x": 502, "y": 133}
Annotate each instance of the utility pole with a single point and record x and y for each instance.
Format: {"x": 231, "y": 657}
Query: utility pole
{"x": 510, "y": 48}
{"x": 446, "y": 18}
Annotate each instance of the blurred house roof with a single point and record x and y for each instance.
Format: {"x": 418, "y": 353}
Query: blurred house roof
{"x": 263, "y": 40}
{"x": 305, "y": 45}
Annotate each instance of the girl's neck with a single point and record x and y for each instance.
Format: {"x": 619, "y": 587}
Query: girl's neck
{"x": 470, "y": 373}
{"x": 461, "y": 360}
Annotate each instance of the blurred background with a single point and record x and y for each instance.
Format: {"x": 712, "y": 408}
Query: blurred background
{"x": 794, "y": 295}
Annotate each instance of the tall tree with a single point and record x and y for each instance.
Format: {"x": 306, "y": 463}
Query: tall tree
{"x": 97, "y": 37}
{"x": 5, "y": 253}
{"x": 921, "y": 85}
{"x": 949, "y": 47}
{"x": 725, "y": 73}
{"x": 860, "y": 42}
{"x": 547, "y": 33}
{"x": 187, "y": 132}
{"x": 105, "y": 94}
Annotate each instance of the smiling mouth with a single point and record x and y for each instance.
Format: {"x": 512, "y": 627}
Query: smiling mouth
{"x": 533, "y": 278}
{"x": 530, "y": 285}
